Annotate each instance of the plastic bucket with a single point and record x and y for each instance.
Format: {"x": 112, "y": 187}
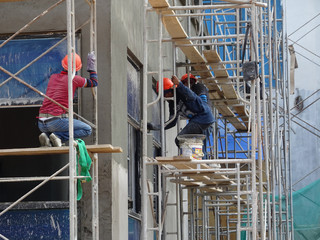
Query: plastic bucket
{"x": 191, "y": 145}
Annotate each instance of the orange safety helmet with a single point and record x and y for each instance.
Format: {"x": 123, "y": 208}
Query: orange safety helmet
{"x": 64, "y": 62}
{"x": 184, "y": 78}
{"x": 167, "y": 84}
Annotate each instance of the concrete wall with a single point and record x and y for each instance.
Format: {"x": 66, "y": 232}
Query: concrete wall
{"x": 305, "y": 145}
{"x": 112, "y": 39}
{"x": 119, "y": 28}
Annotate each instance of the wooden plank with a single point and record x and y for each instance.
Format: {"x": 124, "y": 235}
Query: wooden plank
{"x": 101, "y": 148}
{"x": 222, "y": 77}
{"x": 177, "y": 32}
{"x": 186, "y": 182}
{"x": 192, "y": 183}
{"x": 220, "y": 73}
{"x": 206, "y": 178}
{"x": 174, "y": 159}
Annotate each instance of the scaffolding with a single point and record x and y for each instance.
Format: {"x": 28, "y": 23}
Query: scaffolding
{"x": 93, "y": 150}
{"x": 249, "y": 196}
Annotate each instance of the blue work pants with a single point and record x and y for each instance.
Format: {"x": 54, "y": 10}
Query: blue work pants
{"x": 60, "y": 127}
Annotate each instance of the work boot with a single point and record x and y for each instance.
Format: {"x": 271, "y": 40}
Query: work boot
{"x": 56, "y": 142}
{"x": 44, "y": 140}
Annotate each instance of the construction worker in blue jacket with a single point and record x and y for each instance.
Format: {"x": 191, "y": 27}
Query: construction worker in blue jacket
{"x": 190, "y": 104}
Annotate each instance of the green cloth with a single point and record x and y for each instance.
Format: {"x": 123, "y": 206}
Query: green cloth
{"x": 306, "y": 212}
{"x": 84, "y": 160}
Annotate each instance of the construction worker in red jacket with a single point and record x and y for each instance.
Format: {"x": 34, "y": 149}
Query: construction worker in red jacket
{"x": 53, "y": 120}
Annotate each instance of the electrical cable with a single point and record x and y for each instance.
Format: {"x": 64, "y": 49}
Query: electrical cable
{"x": 306, "y": 175}
{"x": 304, "y": 48}
{"x": 304, "y": 24}
{"x": 308, "y": 59}
{"x": 308, "y": 32}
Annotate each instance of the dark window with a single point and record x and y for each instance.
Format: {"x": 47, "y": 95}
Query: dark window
{"x": 20, "y": 122}
{"x": 134, "y": 136}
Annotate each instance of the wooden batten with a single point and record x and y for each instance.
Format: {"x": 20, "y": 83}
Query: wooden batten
{"x": 102, "y": 148}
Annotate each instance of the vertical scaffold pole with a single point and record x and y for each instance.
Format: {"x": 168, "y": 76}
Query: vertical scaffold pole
{"x": 72, "y": 156}
{"x": 144, "y": 198}
{"x": 95, "y": 169}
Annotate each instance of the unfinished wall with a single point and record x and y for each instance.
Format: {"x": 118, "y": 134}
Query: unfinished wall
{"x": 112, "y": 52}
{"x": 303, "y": 33}
{"x": 119, "y": 28}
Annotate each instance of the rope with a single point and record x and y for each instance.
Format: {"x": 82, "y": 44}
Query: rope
{"x": 84, "y": 160}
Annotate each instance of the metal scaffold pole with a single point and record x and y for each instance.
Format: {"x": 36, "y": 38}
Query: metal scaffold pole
{"x": 72, "y": 155}
{"x": 72, "y": 176}
{"x": 144, "y": 195}
{"x": 95, "y": 168}
{"x": 242, "y": 200}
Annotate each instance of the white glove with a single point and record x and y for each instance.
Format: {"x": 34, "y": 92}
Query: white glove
{"x": 91, "y": 62}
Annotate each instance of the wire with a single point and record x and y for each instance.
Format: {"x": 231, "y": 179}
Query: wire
{"x": 308, "y": 58}
{"x": 305, "y": 99}
{"x": 304, "y": 48}
{"x": 304, "y": 24}
{"x": 306, "y": 176}
{"x": 308, "y": 32}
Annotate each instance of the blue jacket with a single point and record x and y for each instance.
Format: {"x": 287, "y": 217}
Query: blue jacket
{"x": 190, "y": 106}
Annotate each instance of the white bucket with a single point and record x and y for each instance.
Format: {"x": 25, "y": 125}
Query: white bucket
{"x": 191, "y": 145}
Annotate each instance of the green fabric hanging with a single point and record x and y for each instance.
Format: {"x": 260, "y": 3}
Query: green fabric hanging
{"x": 84, "y": 160}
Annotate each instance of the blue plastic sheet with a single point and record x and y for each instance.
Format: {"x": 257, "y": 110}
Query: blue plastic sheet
{"x": 15, "y": 55}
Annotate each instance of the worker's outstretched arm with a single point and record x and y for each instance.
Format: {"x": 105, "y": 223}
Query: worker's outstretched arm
{"x": 92, "y": 69}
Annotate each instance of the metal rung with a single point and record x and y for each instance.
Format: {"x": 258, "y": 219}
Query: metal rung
{"x": 172, "y": 233}
{"x": 187, "y": 213}
{"x": 153, "y": 194}
{"x": 245, "y": 229}
{"x": 153, "y": 229}
{"x": 171, "y": 204}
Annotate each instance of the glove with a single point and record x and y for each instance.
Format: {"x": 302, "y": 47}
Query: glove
{"x": 91, "y": 62}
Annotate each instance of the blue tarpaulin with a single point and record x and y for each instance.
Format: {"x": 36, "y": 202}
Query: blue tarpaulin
{"x": 15, "y": 55}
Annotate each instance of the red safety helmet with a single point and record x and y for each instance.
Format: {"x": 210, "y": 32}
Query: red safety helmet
{"x": 64, "y": 62}
{"x": 184, "y": 78}
{"x": 167, "y": 84}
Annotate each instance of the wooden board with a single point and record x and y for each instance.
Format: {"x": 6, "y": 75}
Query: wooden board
{"x": 174, "y": 159}
{"x": 101, "y": 148}
{"x": 222, "y": 77}
{"x": 220, "y": 73}
{"x": 206, "y": 178}
{"x": 177, "y": 33}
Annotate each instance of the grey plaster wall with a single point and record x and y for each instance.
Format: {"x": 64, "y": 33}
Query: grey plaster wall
{"x": 303, "y": 28}
{"x": 119, "y": 28}
{"x": 112, "y": 39}
{"x": 305, "y": 144}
